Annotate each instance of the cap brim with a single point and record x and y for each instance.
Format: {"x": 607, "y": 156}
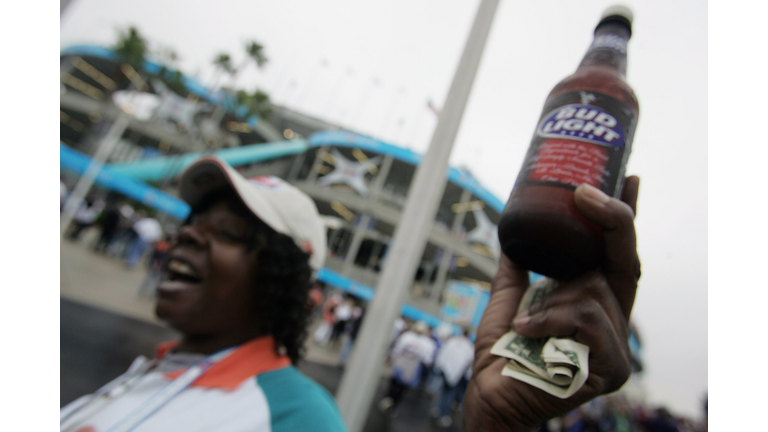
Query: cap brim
{"x": 209, "y": 174}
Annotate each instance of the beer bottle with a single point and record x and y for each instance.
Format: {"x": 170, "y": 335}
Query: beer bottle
{"x": 584, "y": 135}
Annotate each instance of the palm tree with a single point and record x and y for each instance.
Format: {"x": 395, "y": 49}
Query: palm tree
{"x": 255, "y": 53}
{"x": 223, "y": 63}
{"x": 132, "y": 48}
{"x": 258, "y": 103}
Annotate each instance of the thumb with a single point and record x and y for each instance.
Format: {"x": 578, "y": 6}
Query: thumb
{"x": 621, "y": 264}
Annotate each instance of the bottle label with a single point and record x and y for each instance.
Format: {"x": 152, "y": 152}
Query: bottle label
{"x": 583, "y": 123}
{"x": 582, "y": 137}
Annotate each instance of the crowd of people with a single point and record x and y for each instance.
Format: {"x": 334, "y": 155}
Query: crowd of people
{"x": 430, "y": 361}
{"x": 124, "y": 233}
{"x": 339, "y": 314}
{"x": 615, "y": 413}
{"x": 437, "y": 360}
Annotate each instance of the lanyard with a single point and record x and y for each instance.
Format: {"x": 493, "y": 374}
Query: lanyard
{"x": 98, "y": 399}
{"x": 168, "y": 392}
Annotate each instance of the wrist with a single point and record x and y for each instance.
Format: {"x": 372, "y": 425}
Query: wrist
{"x": 480, "y": 415}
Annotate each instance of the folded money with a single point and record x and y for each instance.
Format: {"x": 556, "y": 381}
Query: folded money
{"x": 559, "y": 366}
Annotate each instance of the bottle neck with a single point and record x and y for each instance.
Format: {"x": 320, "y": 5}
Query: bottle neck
{"x": 609, "y": 48}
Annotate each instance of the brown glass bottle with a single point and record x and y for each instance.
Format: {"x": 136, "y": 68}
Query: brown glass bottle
{"x": 584, "y": 136}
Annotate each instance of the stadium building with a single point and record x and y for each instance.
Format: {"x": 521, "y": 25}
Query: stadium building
{"x": 358, "y": 183}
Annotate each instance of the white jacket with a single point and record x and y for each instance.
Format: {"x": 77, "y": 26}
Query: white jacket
{"x": 454, "y": 358}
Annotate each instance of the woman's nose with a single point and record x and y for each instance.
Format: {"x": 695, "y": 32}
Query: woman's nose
{"x": 192, "y": 235}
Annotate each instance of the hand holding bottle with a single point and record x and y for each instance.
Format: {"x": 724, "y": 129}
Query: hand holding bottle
{"x": 593, "y": 309}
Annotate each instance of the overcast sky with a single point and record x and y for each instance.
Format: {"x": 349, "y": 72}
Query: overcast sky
{"x": 373, "y": 67}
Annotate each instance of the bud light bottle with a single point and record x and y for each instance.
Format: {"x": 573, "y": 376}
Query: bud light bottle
{"x": 584, "y": 135}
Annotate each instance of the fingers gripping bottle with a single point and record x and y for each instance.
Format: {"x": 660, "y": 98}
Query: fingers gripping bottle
{"x": 584, "y": 135}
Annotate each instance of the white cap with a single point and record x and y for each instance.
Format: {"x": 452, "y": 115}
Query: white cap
{"x": 280, "y": 205}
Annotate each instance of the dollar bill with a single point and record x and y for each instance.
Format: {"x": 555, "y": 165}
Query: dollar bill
{"x": 558, "y": 366}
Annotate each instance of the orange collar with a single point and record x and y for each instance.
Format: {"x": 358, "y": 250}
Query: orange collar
{"x": 248, "y": 360}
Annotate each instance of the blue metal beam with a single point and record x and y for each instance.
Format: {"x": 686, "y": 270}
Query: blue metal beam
{"x": 160, "y": 168}
{"x": 73, "y": 160}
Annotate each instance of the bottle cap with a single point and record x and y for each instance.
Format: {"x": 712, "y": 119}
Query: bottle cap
{"x": 618, "y": 13}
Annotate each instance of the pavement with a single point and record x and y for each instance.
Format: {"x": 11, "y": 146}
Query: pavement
{"x": 106, "y": 323}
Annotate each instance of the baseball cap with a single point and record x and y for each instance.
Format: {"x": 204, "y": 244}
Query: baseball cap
{"x": 277, "y": 203}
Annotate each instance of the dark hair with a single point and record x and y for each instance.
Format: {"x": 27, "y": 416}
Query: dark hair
{"x": 283, "y": 277}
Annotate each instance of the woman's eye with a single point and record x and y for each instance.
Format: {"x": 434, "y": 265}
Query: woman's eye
{"x": 223, "y": 234}
{"x": 229, "y": 236}
{"x": 197, "y": 220}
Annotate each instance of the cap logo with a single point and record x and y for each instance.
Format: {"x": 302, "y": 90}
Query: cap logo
{"x": 306, "y": 246}
{"x": 267, "y": 182}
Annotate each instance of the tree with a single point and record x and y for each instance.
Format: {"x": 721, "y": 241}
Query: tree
{"x": 223, "y": 63}
{"x": 257, "y": 103}
{"x": 255, "y": 53}
{"x": 132, "y": 48}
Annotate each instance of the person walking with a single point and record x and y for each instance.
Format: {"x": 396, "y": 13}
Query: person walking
{"x": 148, "y": 231}
{"x": 341, "y": 316}
{"x": 85, "y": 217}
{"x": 413, "y": 351}
{"x": 125, "y": 235}
{"x": 109, "y": 226}
{"x": 352, "y": 328}
{"x": 453, "y": 361}
{"x": 323, "y": 332}
{"x": 316, "y": 296}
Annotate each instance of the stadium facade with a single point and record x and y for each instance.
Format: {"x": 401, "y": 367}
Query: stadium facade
{"x": 358, "y": 183}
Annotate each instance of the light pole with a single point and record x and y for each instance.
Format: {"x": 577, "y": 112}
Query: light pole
{"x": 85, "y": 182}
{"x": 363, "y": 371}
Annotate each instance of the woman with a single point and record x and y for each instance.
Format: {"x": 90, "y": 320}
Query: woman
{"x": 236, "y": 287}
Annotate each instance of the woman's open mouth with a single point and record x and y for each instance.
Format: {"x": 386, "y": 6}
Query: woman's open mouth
{"x": 179, "y": 275}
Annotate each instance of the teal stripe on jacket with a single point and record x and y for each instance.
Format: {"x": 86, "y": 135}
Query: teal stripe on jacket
{"x": 296, "y": 403}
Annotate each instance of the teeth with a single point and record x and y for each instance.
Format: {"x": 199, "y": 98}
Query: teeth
{"x": 181, "y": 268}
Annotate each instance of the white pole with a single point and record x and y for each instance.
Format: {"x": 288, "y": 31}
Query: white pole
{"x": 363, "y": 371}
{"x": 85, "y": 182}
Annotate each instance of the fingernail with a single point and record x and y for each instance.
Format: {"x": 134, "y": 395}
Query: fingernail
{"x": 594, "y": 193}
{"x": 521, "y": 319}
